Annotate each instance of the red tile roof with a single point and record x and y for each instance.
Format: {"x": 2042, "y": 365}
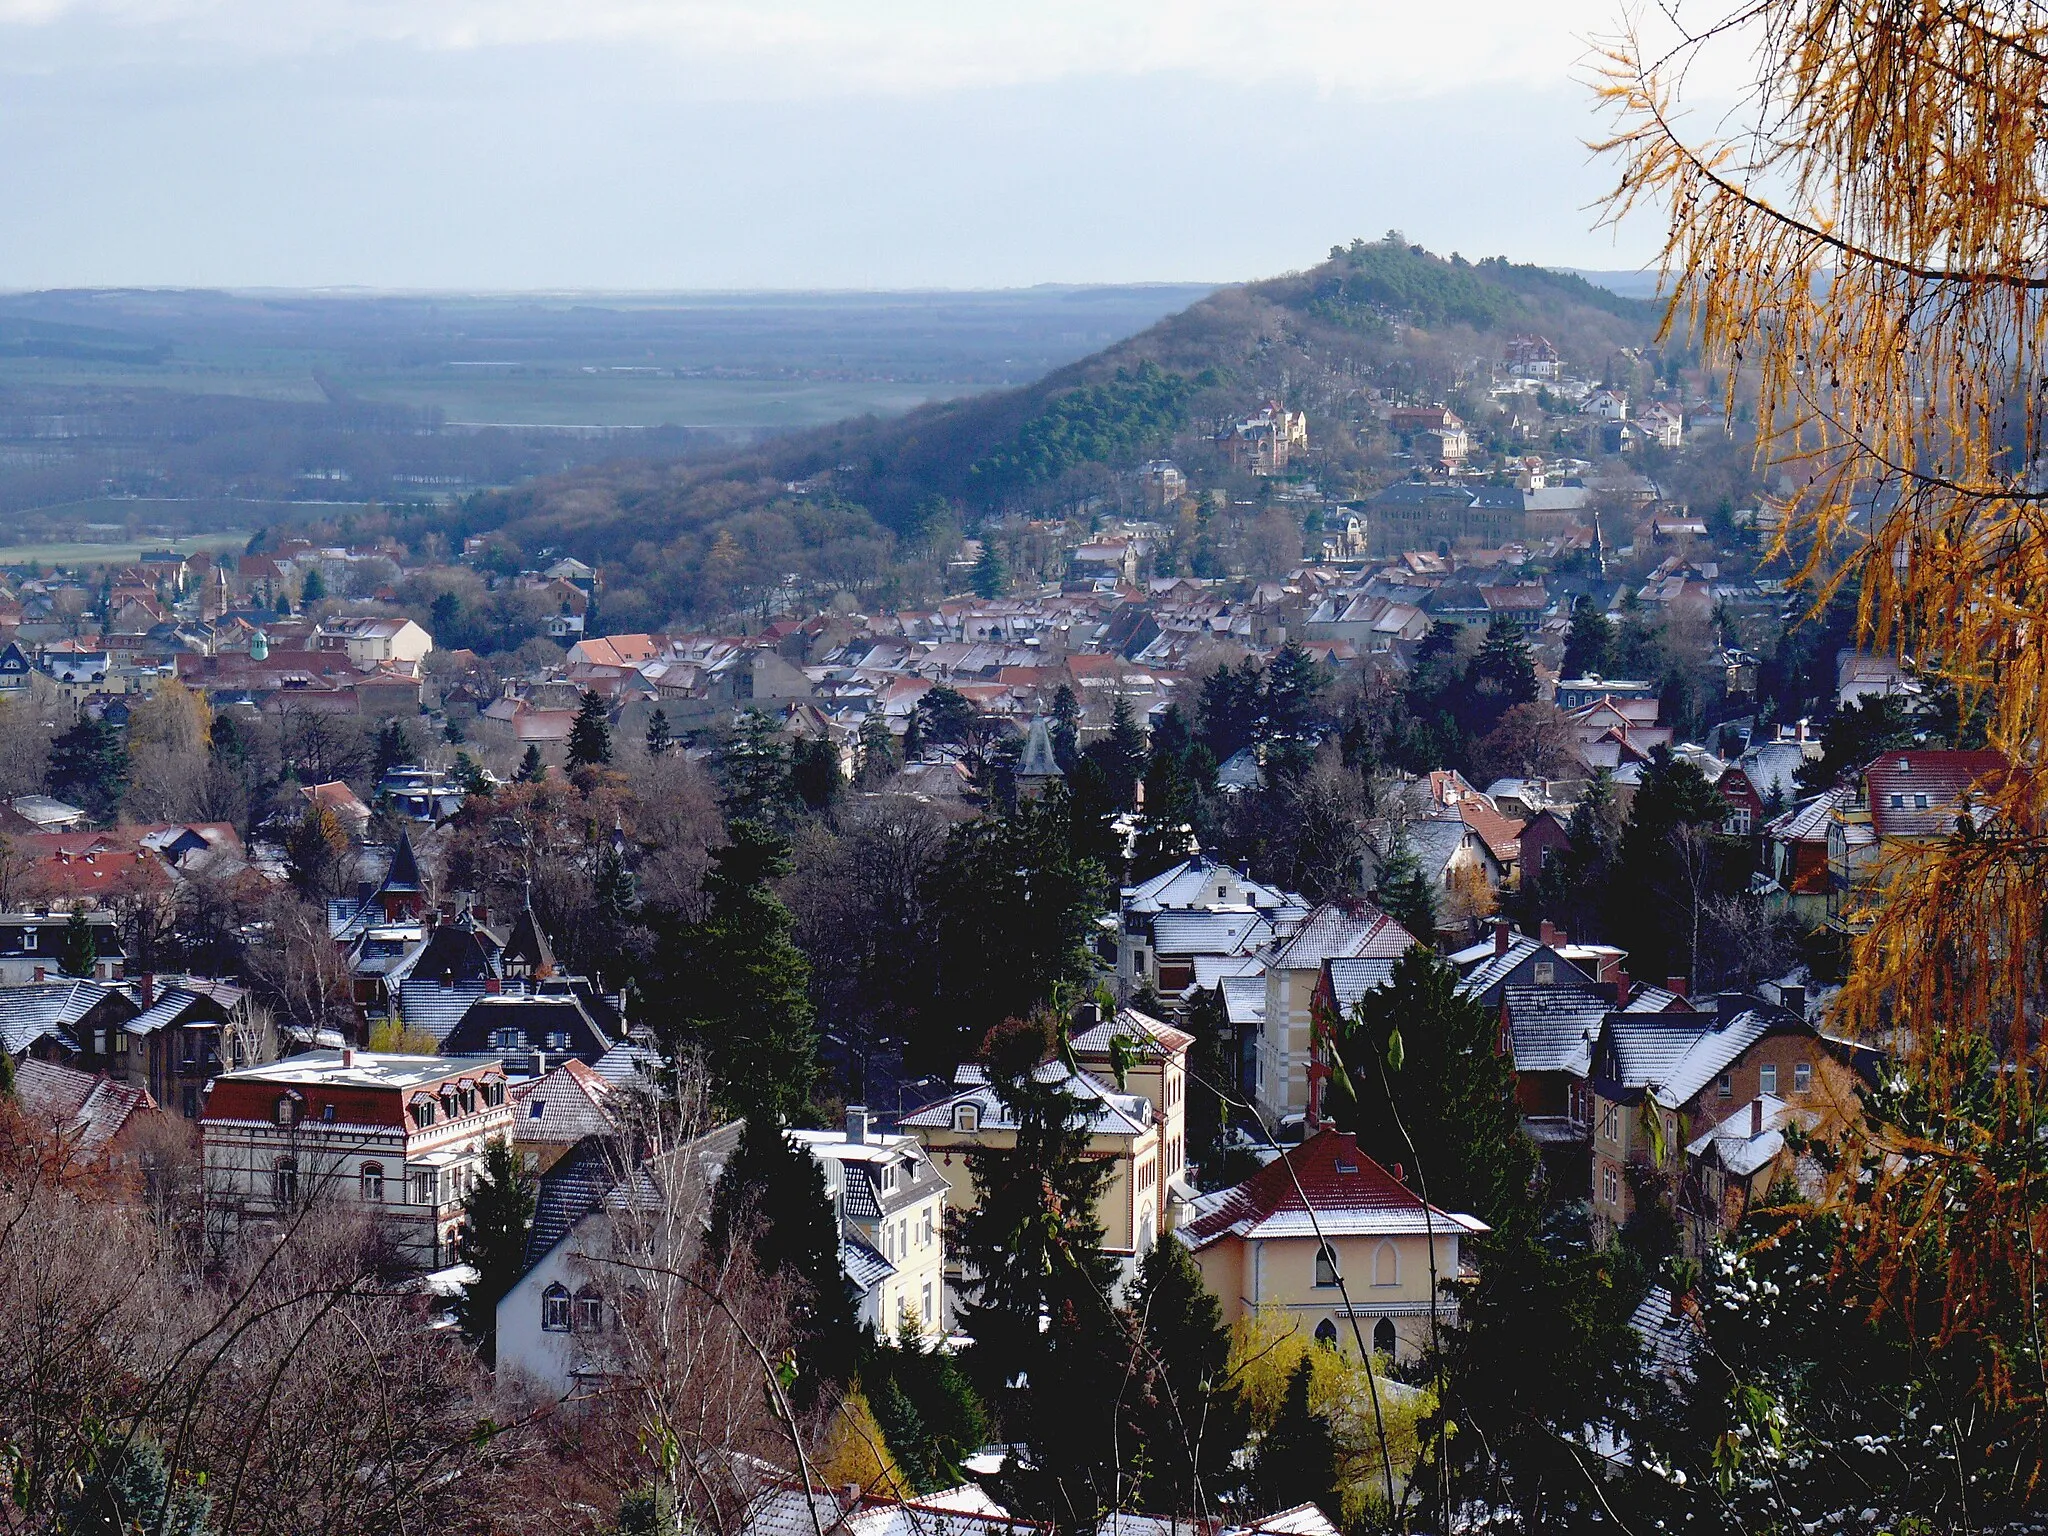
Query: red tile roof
{"x": 1349, "y": 1193}
{"x": 1919, "y": 794}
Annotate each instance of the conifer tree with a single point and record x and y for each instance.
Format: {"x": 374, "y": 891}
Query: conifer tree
{"x": 771, "y": 1195}
{"x": 660, "y": 740}
{"x": 1121, "y": 754}
{"x": 531, "y": 767}
{"x": 754, "y": 766}
{"x": 1403, "y": 892}
{"x": 496, "y": 1216}
{"x": 89, "y": 765}
{"x": 736, "y": 986}
{"x": 590, "y": 737}
{"x": 1297, "y": 1458}
{"x": 877, "y": 747}
{"x": 1588, "y": 641}
{"x": 1189, "y": 1418}
{"x": 81, "y": 949}
{"x": 1066, "y": 727}
{"x": 1039, "y": 1294}
{"x": 991, "y": 573}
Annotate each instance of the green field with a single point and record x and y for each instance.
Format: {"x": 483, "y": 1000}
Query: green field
{"x": 609, "y": 398}
{"x": 122, "y": 552}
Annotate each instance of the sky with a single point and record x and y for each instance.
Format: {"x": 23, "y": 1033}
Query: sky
{"x": 745, "y": 144}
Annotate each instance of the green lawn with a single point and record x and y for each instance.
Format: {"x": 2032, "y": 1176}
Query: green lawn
{"x": 124, "y": 552}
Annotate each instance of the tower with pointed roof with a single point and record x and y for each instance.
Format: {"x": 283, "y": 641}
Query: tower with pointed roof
{"x": 402, "y": 895}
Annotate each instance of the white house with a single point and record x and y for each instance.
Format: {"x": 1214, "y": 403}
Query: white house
{"x": 892, "y": 1222}
{"x": 371, "y": 643}
{"x": 1606, "y": 405}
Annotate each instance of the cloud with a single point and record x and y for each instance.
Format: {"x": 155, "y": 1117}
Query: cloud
{"x": 895, "y": 47}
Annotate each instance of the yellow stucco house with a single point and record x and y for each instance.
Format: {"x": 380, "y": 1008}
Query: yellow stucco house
{"x": 1380, "y": 1245}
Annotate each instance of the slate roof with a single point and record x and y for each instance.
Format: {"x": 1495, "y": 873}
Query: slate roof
{"x": 1244, "y": 999}
{"x": 863, "y": 1263}
{"x": 1107, "y": 1112}
{"x": 1208, "y": 933}
{"x": 1807, "y": 822}
{"x": 87, "y": 1109}
{"x": 569, "y": 1191}
{"x": 403, "y": 877}
{"x": 565, "y": 1103}
{"x": 1213, "y": 970}
{"x": 178, "y": 1002}
{"x": 526, "y": 945}
{"x": 30, "y": 1013}
{"x": 1332, "y": 932}
{"x": 426, "y": 1004}
{"x": 1738, "y": 1144}
{"x": 1141, "y": 1029}
{"x": 1436, "y": 842}
{"x": 1350, "y": 1194}
{"x": 1552, "y": 1029}
{"x": 1183, "y": 886}
{"x": 628, "y": 1062}
{"x": 1669, "y": 1342}
{"x": 1351, "y": 979}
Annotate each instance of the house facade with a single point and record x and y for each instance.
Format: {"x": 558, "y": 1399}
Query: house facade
{"x": 891, "y": 1202}
{"x": 1363, "y": 1257}
{"x": 402, "y": 1135}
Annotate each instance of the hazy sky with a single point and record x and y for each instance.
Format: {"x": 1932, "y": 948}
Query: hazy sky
{"x": 784, "y": 143}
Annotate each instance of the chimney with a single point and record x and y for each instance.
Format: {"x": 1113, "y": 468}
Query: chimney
{"x": 1549, "y": 934}
{"x": 1676, "y": 984}
{"x": 1756, "y": 1116}
{"x": 1400, "y": 1174}
{"x": 1087, "y": 1016}
{"x": 493, "y": 986}
{"x": 348, "y": 1056}
{"x": 1792, "y": 999}
{"x": 857, "y": 1124}
{"x": 1678, "y": 1300}
{"x": 41, "y": 974}
{"x": 1501, "y": 929}
{"x": 148, "y": 989}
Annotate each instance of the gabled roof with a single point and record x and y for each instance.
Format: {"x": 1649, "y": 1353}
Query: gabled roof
{"x": 1674, "y": 1056}
{"x": 1146, "y": 1034}
{"x": 1920, "y": 794}
{"x": 424, "y": 1003}
{"x": 1750, "y": 1139}
{"x": 565, "y": 1103}
{"x": 86, "y": 1109}
{"x": 1186, "y": 885}
{"x": 1350, "y": 1194}
{"x": 1208, "y": 933}
{"x": 1105, "y": 1111}
{"x": 47, "y": 1009}
{"x": 178, "y": 1004}
{"x": 527, "y": 945}
{"x": 1807, "y": 822}
{"x": 1351, "y": 979}
{"x": 1332, "y": 932}
{"x": 1552, "y": 1029}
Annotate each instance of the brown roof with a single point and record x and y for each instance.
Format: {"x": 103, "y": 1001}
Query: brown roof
{"x": 1920, "y": 794}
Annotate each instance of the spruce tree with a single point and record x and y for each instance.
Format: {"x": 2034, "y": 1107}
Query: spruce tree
{"x": 736, "y": 986}
{"x": 1429, "y": 1088}
{"x": 590, "y": 737}
{"x": 1039, "y": 1296}
{"x": 128, "y": 1491}
{"x": 991, "y": 574}
{"x": 497, "y": 1213}
{"x": 1189, "y": 1417}
{"x": 81, "y": 949}
{"x": 754, "y": 766}
{"x": 878, "y": 759}
{"x": 814, "y": 775}
{"x": 1588, "y": 640}
{"x": 771, "y": 1195}
{"x": 89, "y": 765}
{"x": 1066, "y": 727}
{"x": 1121, "y": 754}
{"x": 1297, "y": 1457}
{"x": 531, "y": 768}
{"x": 1502, "y": 675}
{"x": 1403, "y": 892}
{"x": 660, "y": 741}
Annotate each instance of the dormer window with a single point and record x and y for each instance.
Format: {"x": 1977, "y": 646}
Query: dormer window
{"x": 423, "y": 1112}
{"x": 967, "y": 1118}
{"x": 286, "y": 1111}
{"x": 28, "y": 938}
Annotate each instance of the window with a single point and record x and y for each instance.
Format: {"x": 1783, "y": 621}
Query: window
{"x": 1383, "y": 1337}
{"x": 1386, "y": 1264}
{"x": 469, "y": 1101}
{"x": 925, "y": 1237}
{"x": 328, "y": 1112}
{"x": 423, "y": 1112}
{"x": 1546, "y": 973}
{"x": 28, "y": 938}
{"x": 423, "y": 1189}
{"x": 100, "y": 1042}
{"x": 1610, "y": 1186}
{"x": 507, "y": 1039}
{"x": 1326, "y": 1334}
{"x": 558, "y": 1039}
{"x": 1919, "y": 802}
{"x": 284, "y": 1181}
{"x": 1767, "y": 1077}
{"x": 1326, "y": 1266}
{"x": 928, "y": 1302}
{"x": 536, "y": 1110}
{"x": 966, "y": 1117}
{"x": 589, "y": 1311}
{"x": 1610, "y": 1122}
{"x": 373, "y": 1181}
{"x": 286, "y": 1109}
{"x": 1802, "y": 1076}
{"x": 554, "y": 1309}
{"x": 1724, "y": 1086}
{"x": 1898, "y": 802}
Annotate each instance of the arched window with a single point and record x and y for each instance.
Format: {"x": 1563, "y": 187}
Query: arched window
{"x": 967, "y": 1118}
{"x": 287, "y": 1109}
{"x": 1383, "y": 1337}
{"x": 284, "y": 1181}
{"x": 1326, "y": 1334}
{"x": 1386, "y": 1264}
{"x": 373, "y": 1181}
{"x": 554, "y": 1309}
{"x": 1326, "y": 1266}
{"x": 590, "y": 1310}
{"x": 1145, "y": 1233}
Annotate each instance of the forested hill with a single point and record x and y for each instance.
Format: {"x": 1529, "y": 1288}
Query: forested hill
{"x": 869, "y": 505}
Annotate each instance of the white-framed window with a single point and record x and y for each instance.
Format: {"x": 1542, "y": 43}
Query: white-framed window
{"x": 28, "y": 938}
{"x": 1546, "y": 973}
{"x": 1610, "y": 1122}
{"x": 589, "y": 1310}
{"x": 423, "y": 1112}
{"x": 286, "y": 1110}
{"x": 1802, "y": 1076}
{"x": 925, "y": 1235}
{"x": 554, "y": 1309}
{"x": 558, "y": 1039}
{"x": 423, "y": 1189}
{"x": 1767, "y": 1077}
{"x": 1610, "y": 1184}
{"x": 284, "y": 1181}
{"x": 507, "y": 1039}
{"x": 928, "y": 1302}
{"x": 373, "y": 1181}
{"x": 967, "y": 1118}
{"x": 1326, "y": 1266}
{"x": 1724, "y": 1086}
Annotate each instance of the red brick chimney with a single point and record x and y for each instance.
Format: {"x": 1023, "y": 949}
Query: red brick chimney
{"x": 1756, "y": 1116}
{"x": 148, "y": 989}
{"x": 1677, "y": 984}
{"x": 1501, "y": 929}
